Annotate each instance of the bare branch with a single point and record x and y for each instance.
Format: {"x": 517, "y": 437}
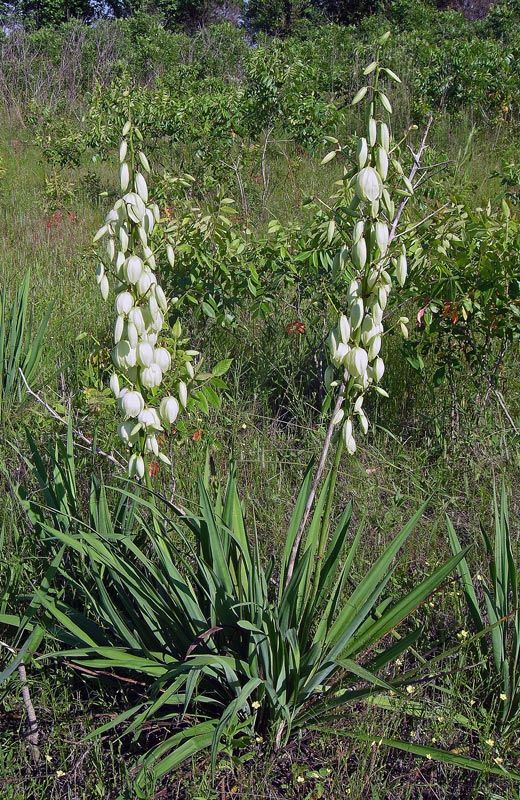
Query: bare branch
{"x": 76, "y": 432}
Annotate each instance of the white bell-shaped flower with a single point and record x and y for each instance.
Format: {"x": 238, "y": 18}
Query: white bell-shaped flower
{"x": 134, "y": 269}
{"x": 163, "y": 358}
{"x": 124, "y": 303}
{"x": 114, "y": 385}
{"x": 132, "y": 404}
{"x": 169, "y": 410}
{"x": 123, "y": 355}
{"x": 136, "y": 318}
{"x": 151, "y": 376}
{"x": 145, "y": 354}
{"x": 149, "y": 419}
{"x": 356, "y": 361}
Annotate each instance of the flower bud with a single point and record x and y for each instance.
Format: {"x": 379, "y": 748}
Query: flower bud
{"x": 140, "y": 187}
{"x": 359, "y": 254}
{"x": 362, "y": 152}
{"x": 382, "y": 163}
{"x": 132, "y": 334}
{"x": 100, "y": 272}
{"x": 359, "y": 229}
{"x": 348, "y": 439}
{"x": 363, "y": 421}
{"x": 358, "y": 404}
{"x": 134, "y": 269}
{"x": 114, "y": 385}
{"x": 136, "y": 466}
{"x": 104, "y": 287}
{"x": 143, "y": 284}
{"x": 111, "y": 249}
{"x": 401, "y": 269}
{"x": 372, "y": 131}
{"x": 377, "y": 314}
{"x": 356, "y": 314}
{"x": 353, "y": 290}
{"x": 151, "y": 445}
{"x": 151, "y": 376}
{"x": 368, "y": 329}
{"x": 338, "y": 416}
{"x": 384, "y": 136}
{"x": 374, "y": 348}
{"x": 168, "y": 410}
{"x": 368, "y": 185}
{"x": 161, "y": 298}
{"x": 119, "y": 328}
{"x": 170, "y": 255}
{"x": 162, "y": 357}
{"x": 378, "y": 369}
{"x": 381, "y": 232}
{"x": 124, "y": 175}
{"x": 183, "y": 394}
{"x": 132, "y": 404}
{"x": 136, "y": 318}
{"x": 128, "y": 431}
{"x": 143, "y": 237}
{"x": 144, "y": 161}
{"x": 340, "y": 353}
{"x": 344, "y": 329}
{"x": 122, "y": 151}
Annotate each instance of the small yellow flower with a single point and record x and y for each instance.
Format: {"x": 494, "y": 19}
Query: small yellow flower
{"x": 259, "y": 739}
{"x": 490, "y": 742}
{"x": 462, "y": 635}
{"x": 60, "y": 773}
{"x": 498, "y": 760}
{"x": 410, "y": 689}
{"x": 300, "y": 779}
{"x": 398, "y": 662}
{"x": 255, "y": 704}
{"x": 434, "y": 739}
{"x": 503, "y": 696}
{"x": 48, "y": 758}
{"x": 428, "y": 756}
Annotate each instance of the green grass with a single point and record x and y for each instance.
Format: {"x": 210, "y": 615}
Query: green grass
{"x": 269, "y": 422}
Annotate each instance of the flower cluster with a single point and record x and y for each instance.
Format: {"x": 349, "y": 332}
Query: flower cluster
{"x": 355, "y": 342}
{"x": 140, "y": 307}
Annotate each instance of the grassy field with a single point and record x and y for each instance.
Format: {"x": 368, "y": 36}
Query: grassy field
{"x": 435, "y": 729}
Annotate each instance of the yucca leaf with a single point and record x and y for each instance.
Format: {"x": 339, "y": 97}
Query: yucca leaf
{"x": 403, "y": 608}
{"x": 465, "y": 577}
{"x": 368, "y": 589}
{"x": 296, "y": 518}
{"x": 429, "y": 753}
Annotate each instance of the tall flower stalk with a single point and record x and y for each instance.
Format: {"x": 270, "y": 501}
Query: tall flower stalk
{"x": 356, "y": 366}
{"x": 141, "y": 308}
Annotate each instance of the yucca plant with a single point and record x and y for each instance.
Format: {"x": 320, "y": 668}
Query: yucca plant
{"x": 18, "y": 350}
{"x": 226, "y": 647}
{"x": 492, "y": 606}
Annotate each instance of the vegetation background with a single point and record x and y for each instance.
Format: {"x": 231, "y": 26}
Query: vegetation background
{"x": 234, "y": 102}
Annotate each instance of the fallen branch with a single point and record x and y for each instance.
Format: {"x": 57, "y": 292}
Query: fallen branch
{"x": 77, "y": 433}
